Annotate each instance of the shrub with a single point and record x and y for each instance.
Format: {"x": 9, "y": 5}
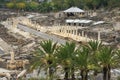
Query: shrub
{"x": 10, "y": 5}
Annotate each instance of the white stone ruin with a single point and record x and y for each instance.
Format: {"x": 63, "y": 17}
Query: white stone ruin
{"x": 99, "y": 39}
{"x": 12, "y": 57}
{"x": 71, "y": 32}
{"x": 117, "y": 26}
{"x": 14, "y": 29}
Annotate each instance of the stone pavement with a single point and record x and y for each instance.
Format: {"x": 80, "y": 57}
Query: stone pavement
{"x": 41, "y": 34}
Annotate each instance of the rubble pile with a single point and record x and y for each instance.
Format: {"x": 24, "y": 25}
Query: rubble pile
{"x": 9, "y": 38}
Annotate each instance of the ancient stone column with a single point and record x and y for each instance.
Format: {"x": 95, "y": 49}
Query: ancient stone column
{"x": 76, "y": 34}
{"x": 86, "y": 38}
{"x": 8, "y": 20}
{"x": 14, "y": 23}
{"x": 99, "y": 36}
{"x": 34, "y": 73}
{"x": 74, "y": 31}
{"x": 79, "y": 36}
{"x": 82, "y": 33}
{"x": 68, "y": 31}
{"x": 62, "y": 29}
{"x": 12, "y": 56}
{"x": 37, "y": 26}
{"x": 65, "y": 30}
{"x": 56, "y": 29}
{"x": 29, "y": 22}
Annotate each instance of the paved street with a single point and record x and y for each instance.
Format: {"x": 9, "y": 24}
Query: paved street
{"x": 41, "y": 34}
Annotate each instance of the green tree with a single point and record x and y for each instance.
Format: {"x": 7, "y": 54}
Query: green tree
{"x": 32, "y": 6}
{"x": 65, "y": 58}
{"x": 113, "y": 3}
{"x": 95, "y": 4}
{"x": 118, "y": 53}
{"x": 10, "y": 5}
{"x": 20, "y": 5}
{"x": 61, "y": 4}
{"x": 94, "y": 46}
{"x": 45, "y": 57}
{"x": 45, "y": 7}
{"x": 106, "y": 60}
{"x": 118, "y": 57}
{"x": 82, "y": 61}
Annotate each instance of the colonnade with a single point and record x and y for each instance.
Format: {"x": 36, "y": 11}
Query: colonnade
{"x": 61, "y": 30}
{"x": 72, "y": 32}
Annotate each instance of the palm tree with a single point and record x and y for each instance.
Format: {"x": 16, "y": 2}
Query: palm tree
{"x": 118, "y": 53}
{"x": 106, "y": 59}
{"x": 118, "y": 57}
{"x": 94, "y": 46}
{"x": 45, "y": 57}
{"x": 82, "y": 61}
{"x": 65, "y": 58}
